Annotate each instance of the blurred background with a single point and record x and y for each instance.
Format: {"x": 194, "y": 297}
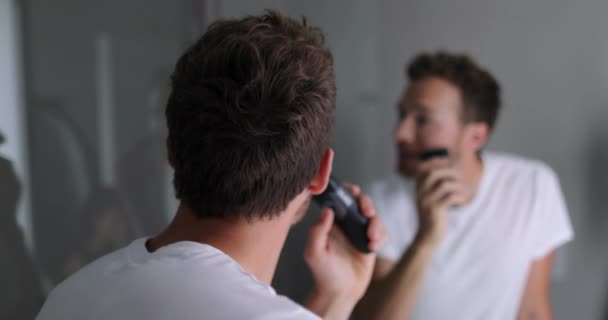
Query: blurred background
{"x": 83, "y": 86}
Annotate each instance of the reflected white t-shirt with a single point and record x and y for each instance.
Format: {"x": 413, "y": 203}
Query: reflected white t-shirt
{"x": 480, "y": 268}
{"x": 182, "y": 281}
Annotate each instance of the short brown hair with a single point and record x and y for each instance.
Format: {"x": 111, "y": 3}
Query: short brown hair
{"x": 480, "y": 91}
{"x": 250, "y": 115}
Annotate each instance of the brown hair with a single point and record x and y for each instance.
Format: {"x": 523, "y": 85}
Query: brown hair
{"x": 250, "y": 115}
{"x": 480, "y": 91}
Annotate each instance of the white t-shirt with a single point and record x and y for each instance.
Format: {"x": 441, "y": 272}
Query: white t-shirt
{"x": 480, "y": 268}
{"x": 181, "y": 281}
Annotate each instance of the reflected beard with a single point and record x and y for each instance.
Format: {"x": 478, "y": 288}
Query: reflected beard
{"x": 405, "y": 170}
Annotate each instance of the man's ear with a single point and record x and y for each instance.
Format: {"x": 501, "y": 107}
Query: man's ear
{"x": 319, "y": 183}
{"x": 478, "y": 133}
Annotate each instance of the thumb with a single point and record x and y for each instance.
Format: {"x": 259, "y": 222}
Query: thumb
{"x": 434, "y": 163}
{"x": 319, "y": 234}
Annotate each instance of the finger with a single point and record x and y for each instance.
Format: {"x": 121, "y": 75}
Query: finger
{"x": 377, "y": 244}
{"x": 338, "y": 241}
{"x": 338, "y": 236}
{"x": 450, "y": 195}
{"x": 366, "y": 205}
{"x": 434, "y": 178}
{"x": 445, "y": 187}
{"x": 452, "y": 199}
{"x": 434, "y": 163}
{"x": 354, "y": 189}
{"x": 376, "y": 229}
{"x": 319, "y": 233}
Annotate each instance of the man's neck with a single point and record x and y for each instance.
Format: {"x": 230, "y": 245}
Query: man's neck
{"x": 472, "y": 175}
{"x": 254, "y": 245}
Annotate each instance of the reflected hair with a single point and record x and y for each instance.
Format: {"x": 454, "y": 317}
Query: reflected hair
{"x": 479, "y": 89}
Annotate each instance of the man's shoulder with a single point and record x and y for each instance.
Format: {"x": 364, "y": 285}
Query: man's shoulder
{"x": 238, "y": 295}
{"x": 95, "y": 269}
{"x": 510, "y": 164}
{"x": 520, "y": 175}
{"x": 209, "y": 283}
{"x": 70, "y": 294}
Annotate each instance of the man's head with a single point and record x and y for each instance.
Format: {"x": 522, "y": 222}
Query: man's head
{"x": 250, "y": 117}
{"x": 451, "y": 102}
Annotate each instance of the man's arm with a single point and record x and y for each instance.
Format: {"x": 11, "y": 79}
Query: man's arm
{"x": 395, "y": 285}
{"x": 536, "y": 302}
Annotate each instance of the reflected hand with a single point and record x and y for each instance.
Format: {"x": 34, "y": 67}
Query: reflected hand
{"x": 437, "y": 189}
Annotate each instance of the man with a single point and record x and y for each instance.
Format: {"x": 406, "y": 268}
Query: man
{"x": 471, "y": 235}
{"x": 250, "y": 117}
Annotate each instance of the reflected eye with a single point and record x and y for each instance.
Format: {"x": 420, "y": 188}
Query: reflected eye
{"x": 422, "y": 119}
{"x": 402, "y": 114}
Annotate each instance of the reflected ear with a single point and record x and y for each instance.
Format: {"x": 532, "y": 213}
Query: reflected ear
{"x": 478, "y": 133}
{"x": 319, "y": 182}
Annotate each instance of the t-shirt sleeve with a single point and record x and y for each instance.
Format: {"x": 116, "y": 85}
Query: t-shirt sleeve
{"x": 551, "y": 227}
{"x": 394, "y": 215}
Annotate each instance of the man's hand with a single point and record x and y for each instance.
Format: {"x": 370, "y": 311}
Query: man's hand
{"x": 341, "y": 272}
{"x": 438, "y": 188}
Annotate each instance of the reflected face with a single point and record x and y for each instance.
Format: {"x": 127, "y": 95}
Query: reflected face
{"x": 429, "y": 117}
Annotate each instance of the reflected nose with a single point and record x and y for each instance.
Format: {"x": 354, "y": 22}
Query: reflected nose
{"x": 404, "y": 133}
